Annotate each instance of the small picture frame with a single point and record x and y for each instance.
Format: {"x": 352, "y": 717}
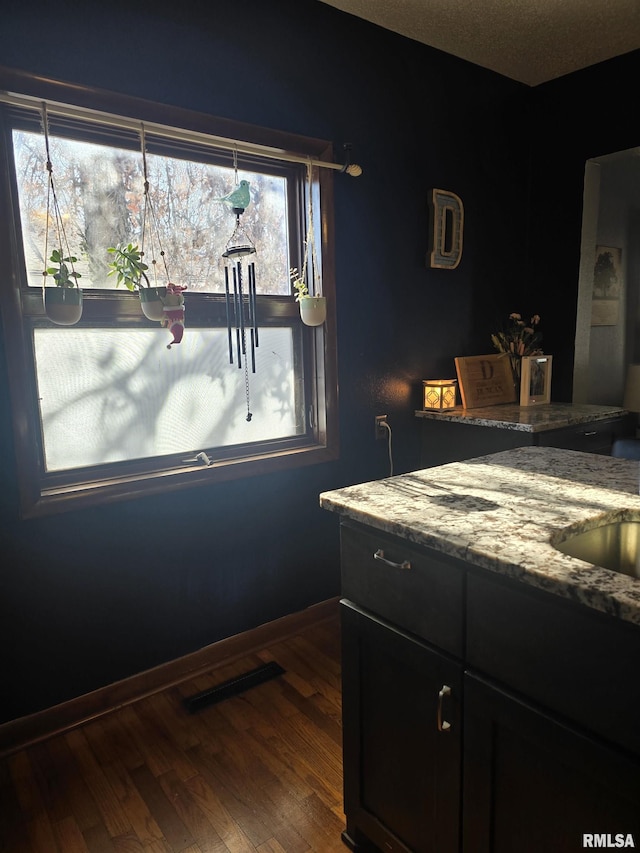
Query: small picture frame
{"x": 535, "y": 380}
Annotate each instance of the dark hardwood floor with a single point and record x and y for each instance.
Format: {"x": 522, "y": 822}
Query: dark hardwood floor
{"x": 261, "y": 771}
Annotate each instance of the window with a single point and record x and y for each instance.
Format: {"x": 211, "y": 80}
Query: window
{"x": 105, "y": 409}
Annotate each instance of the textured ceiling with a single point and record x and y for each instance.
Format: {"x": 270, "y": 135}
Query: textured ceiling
{"x": 531, "y": 41}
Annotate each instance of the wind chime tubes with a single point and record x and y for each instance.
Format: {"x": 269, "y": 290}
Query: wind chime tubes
{"x": 241, "y": 311}
{"x": 240, "y": 296}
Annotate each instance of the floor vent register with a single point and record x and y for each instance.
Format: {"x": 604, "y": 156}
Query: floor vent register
{"x": 233, "y": 687}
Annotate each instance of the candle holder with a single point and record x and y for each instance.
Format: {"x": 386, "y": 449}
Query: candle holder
{"x": 439, "y": 394}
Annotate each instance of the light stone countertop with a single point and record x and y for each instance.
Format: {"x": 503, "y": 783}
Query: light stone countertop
{"x": 536, "y": 418}
{"x": 503, "y": 511}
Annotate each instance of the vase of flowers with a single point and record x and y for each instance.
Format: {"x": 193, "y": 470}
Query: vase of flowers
{"x": 517, "y": 339}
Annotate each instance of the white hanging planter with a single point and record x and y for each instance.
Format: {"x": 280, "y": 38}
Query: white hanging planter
{"x": 63, "y": 305}
{"x": 63, "y": 302}
{"x": 313, "y": 310}
{"x": 151, "y": 302}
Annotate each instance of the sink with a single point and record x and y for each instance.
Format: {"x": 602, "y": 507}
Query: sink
{"x": 614, "y": 546}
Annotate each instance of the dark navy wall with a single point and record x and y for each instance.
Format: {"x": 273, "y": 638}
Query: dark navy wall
{"x": 93, "y": 596}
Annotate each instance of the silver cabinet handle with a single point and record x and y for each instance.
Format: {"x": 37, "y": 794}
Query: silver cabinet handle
{"x": 591, "y": 432}
{"x": 443, "y": 725}
{"x": 379, "y": 555}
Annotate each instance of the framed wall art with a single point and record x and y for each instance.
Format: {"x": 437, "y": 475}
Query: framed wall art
{"x": 535, "y": 379}
{"x": 607, "y": 284}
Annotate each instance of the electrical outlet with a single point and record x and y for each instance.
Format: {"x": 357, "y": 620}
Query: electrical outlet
{"x": 381, "y": 431}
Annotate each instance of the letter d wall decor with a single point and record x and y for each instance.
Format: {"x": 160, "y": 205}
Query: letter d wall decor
{"x": 447, "y": 222}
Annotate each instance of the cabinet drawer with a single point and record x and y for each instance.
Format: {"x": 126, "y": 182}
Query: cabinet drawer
{"x": 577, "y": 663}
{"x": 413, "y": 588}
{"x": 594, "y": 437}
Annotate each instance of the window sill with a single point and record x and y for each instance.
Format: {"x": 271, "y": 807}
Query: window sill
{"x": 68, "y": 498}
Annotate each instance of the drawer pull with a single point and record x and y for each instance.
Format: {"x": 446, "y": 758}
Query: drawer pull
{"x": 379, "y": 555}
{"x": 443, "y": 725}
{"x": 592, "y": 432}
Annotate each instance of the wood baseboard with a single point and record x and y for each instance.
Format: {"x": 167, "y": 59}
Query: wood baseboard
{"x": 16, "y": 734}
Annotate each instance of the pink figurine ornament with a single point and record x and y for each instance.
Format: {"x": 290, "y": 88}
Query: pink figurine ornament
{"x": 173, "y": 309}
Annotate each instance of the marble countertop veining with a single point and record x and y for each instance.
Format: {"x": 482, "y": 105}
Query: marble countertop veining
{"x": 536, "y": 418}
{"x": 502, "y": 512}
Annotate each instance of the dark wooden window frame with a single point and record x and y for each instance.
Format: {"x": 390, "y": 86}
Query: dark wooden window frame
{"x": 41, "y": 493}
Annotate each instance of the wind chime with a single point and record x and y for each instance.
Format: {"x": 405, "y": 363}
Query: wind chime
{"x": 240, "y": 287}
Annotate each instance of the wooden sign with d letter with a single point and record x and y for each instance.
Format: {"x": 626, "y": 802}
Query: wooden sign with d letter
{"x": 485, "y": 380}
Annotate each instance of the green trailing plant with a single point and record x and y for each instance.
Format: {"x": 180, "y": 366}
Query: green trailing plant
{"x": 128, "y": 266}
{"x": 299, "y": 284}
{"x": 62, "y": 269}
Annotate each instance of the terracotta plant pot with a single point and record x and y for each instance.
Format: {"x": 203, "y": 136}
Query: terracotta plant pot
{"x": 151, "y": 302}
{"x": 313, "y": 310}
{"x": 63, "y": 305}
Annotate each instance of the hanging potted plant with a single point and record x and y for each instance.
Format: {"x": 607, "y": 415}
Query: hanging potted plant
{"x": 130, "y": 269}
{"x": 162, "y": 304}
{"x": 313, "y": 309}
{"x": 63, "y": 303}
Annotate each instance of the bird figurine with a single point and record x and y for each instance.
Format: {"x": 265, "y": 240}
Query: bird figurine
{"x": 238, "y": 198}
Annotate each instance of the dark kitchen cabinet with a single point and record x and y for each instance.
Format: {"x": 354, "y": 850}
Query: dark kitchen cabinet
{"x": 446, "y": 440}
{"x": 402, "y": 739}
{"x": 402, "y": 685}
{"x": 480, "y": 715}
{"x": 533, "y": 783}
